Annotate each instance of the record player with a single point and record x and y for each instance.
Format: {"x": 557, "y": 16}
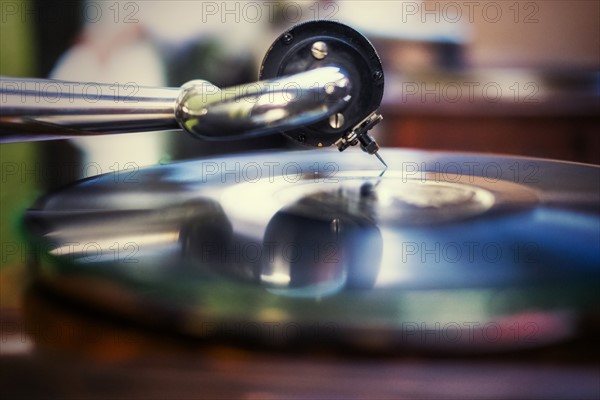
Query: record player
{"x": 411, "y": 251}
{"x": 434, "y": 251}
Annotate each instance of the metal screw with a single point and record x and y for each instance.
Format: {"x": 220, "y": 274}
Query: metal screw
{"x": 329, "y": 88}
{"x": 377, "y": 75}
{"x": 336, "y": 226}
{"x": 301, "y": 138}
{"x": 336, "y": 121}
{"x": 319, "y": 50}
{"x": 287, "y": 38}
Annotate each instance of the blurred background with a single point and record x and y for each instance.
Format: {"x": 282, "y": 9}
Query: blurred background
{"x": 508, "y": 77}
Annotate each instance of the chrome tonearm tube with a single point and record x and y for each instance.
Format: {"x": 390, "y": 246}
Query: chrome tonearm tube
{"x": 320, "y": 84}
{"x": 40, "y": 109}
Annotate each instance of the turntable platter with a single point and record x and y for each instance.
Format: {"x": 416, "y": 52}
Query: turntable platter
{"x": 444, "y": 251}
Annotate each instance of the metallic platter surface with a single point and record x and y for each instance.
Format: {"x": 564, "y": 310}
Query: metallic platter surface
{"x": 456, "y": 252}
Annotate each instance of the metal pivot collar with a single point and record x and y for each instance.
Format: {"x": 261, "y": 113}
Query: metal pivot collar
{"x": 261, "y": 107}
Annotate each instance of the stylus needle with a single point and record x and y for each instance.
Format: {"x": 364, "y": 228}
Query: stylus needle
{"x": 383, "y": 162}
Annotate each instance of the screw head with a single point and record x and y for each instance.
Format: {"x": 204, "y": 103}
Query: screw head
{"x": 287, "y": 38}
{"x": 336, "y": 226}
{"x": 377, "y": 75}
{"x": 336, "y": 121}
{"x": 319, "y": 50}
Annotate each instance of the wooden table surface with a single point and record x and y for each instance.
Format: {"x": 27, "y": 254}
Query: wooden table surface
{"x": 53, "y": 348}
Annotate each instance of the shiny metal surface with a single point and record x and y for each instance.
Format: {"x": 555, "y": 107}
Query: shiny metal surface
{"x": 450, "y": 244}
{"x": 40, "y": 109}
{"x": 319, "y": 50}
{"x": 262, "y": 107}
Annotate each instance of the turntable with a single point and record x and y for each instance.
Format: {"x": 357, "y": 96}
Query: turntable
{"x": 249, "y": 276}
{"x": 453, "y": 252}
{"x": 282, "y": 246}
